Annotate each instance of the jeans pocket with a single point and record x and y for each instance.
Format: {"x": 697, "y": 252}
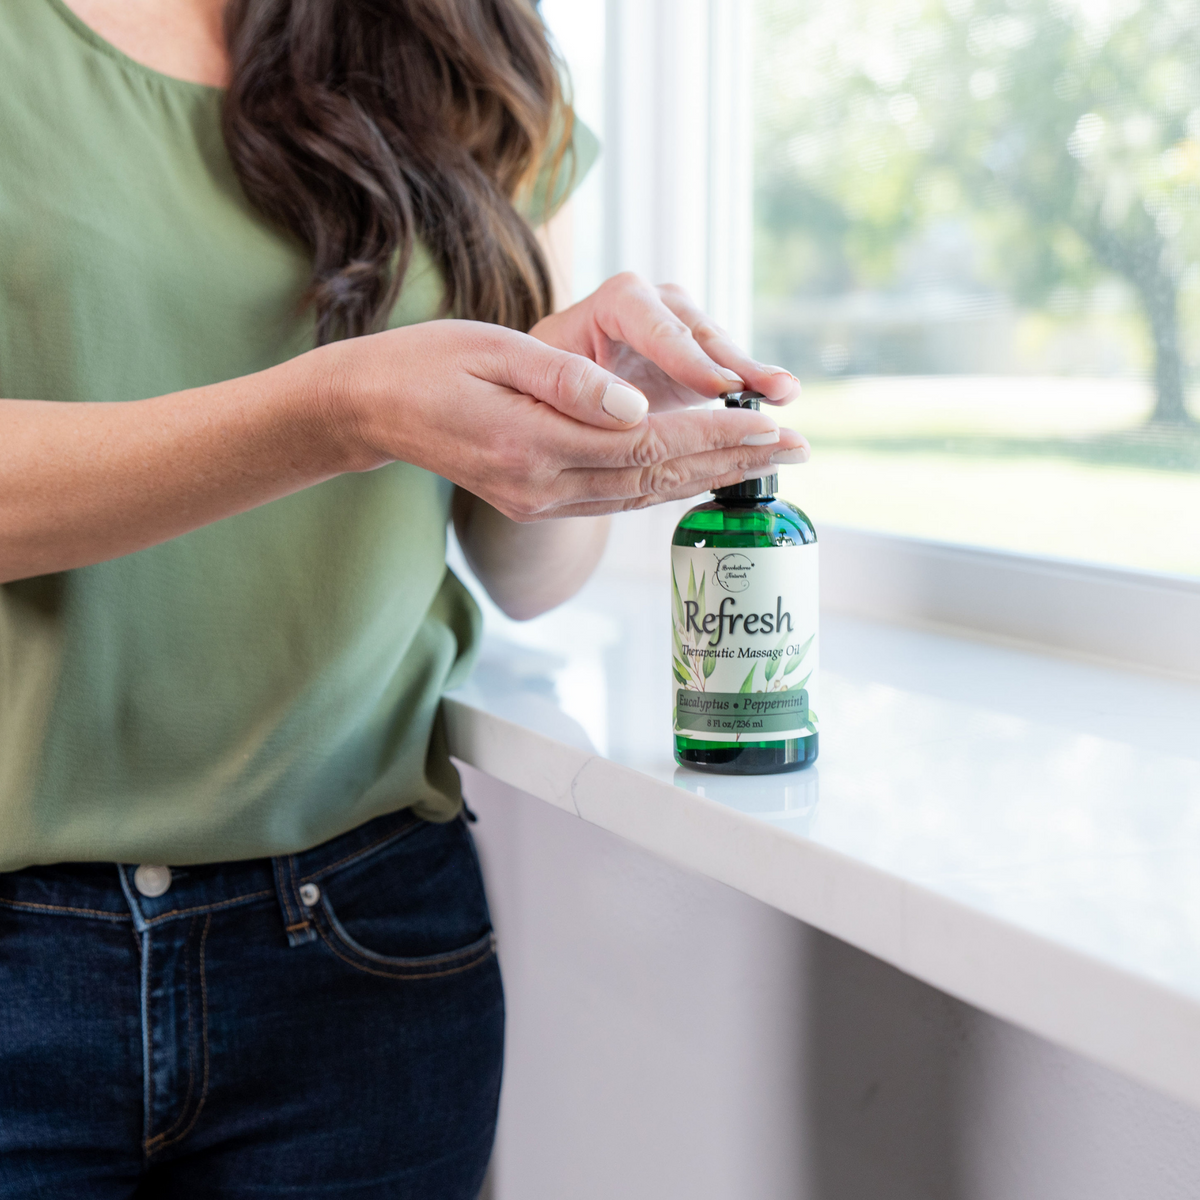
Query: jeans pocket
{"x": 416, "y": 910}
{"x": 428, "y": 966}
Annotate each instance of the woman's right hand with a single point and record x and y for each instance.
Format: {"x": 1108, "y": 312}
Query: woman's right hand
{"x": 535, "y": 431}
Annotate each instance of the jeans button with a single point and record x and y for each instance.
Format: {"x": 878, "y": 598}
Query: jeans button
{"x": 309, "y": 894}
{"x": 152, "y": 881}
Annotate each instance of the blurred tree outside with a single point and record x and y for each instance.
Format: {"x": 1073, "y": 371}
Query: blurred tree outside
{"x": 1060, "y": 137}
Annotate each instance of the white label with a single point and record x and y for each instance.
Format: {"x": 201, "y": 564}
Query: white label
{"x": 745, "y": 642}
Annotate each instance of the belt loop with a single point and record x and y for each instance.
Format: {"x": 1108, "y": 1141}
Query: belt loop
{"x": 297, "y": 926}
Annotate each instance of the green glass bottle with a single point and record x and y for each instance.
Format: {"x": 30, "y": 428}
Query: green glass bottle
{"x": 745, "y": 648}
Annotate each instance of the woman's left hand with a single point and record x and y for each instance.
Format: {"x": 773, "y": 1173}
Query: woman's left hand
{"x": 658, "y": 340}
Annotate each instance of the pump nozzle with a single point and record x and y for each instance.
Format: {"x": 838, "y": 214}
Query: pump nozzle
{"x": 750, "y": 489}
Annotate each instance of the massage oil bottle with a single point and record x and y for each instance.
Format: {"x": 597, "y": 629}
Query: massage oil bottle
{"x": 744, "y": 603}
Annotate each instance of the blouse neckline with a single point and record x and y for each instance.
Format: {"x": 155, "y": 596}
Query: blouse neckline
{"x": 85, "y": 32}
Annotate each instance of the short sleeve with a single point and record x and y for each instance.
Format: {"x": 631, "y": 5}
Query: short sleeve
{"x": 554, "y": 186}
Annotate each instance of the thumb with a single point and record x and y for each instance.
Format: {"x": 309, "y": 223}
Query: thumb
{"x": 573, "y": 384}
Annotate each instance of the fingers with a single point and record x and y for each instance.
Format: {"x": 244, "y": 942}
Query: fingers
{"x": 664, "y": 331}
{"x": 671, "y": 435}
{"x": 548, "y": 460}
{"x": 665, "y": 326}
{"x": 551, "y": 431}
{"x": 573, "y": 385}
{"x": 674, "y": 479}
{"x": 776, "y": 384}
{"x": 630, "y": 311}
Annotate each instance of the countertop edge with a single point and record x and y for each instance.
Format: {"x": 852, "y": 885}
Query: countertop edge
{"x": 1131, "y": 1024}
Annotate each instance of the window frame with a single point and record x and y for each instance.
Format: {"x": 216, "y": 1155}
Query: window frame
{"x": 678, "y": 154}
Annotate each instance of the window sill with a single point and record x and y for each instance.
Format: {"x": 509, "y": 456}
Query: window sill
{"x": 1125, "y": 617}
{"x": 1015, "y": 828}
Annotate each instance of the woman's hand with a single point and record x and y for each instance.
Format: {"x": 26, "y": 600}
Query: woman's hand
{"x": 658, "y": 340}
{"x": 535, "y": 431}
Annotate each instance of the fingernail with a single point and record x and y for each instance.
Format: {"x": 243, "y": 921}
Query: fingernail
{"x": 624, "y": 403}
{"x": 761, "y": 439}
{"x": 788, "y": 386}
{"x": 739, "y": 384}
{"x": 783, "y": 458}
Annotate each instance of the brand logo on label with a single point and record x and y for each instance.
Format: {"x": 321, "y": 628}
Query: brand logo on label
{"x": 732, "y": 572}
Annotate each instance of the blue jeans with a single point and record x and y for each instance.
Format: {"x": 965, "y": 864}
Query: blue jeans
{"x": 326, "y": 1024}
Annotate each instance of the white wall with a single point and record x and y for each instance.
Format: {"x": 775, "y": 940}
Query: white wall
{"x": 671, "y": 1039}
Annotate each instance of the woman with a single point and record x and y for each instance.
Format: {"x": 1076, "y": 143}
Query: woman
{"x": 237, "y": 430}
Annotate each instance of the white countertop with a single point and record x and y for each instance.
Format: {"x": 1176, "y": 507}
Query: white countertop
{"x": 1019, "y": 830}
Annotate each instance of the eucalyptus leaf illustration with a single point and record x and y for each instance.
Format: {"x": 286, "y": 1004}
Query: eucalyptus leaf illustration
{"x": 799, "y": 687}
{"x": 677, "y": 640}
{"x": 691, "y": 581}
{"x": 676, "y": 599}
{"x": 710, "y": 661}
{"x": 797, "y": 659}
{"x": 775, "y": 663}
{"x": 700, "y": 595}
{"x": 680, "y": 672}
{"x": 748, "y": 682}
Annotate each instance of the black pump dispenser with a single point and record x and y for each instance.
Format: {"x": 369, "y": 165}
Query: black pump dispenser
{"x": 750, "y": 489}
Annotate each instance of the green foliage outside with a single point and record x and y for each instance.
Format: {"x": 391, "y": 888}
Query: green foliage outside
{"x": 1064, "y": 133}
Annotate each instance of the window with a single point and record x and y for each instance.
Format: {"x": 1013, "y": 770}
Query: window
{"x": 977, "y": 242}
{"x": 971, "y": 228}
{"x": 578, "y": 30}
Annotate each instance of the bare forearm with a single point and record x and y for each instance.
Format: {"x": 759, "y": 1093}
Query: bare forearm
{"x": 527, "y": 569}
{"x": 507, "y": 415}
{"x": 81, "y": 483}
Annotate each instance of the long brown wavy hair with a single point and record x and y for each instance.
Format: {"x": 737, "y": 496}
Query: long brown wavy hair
{"x": 362, "y": 126}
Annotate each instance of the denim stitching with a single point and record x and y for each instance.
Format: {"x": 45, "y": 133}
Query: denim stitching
{"x": 175, "y": 913}
{"x": 294, "y": 891}
{"x": 162, "y": 918}
{"x": 149, "y": 1147}
{"x": 351, "y": 946}
{"x": 147, "y": 1038}
{"x": 60, "y": 908}
{"x": 135, "y": 909}
{"x": 365, "y": 850}
{"x": 485, "y": 953}
{"x": 328, "y": 926}
{"x": 198, "y": 908}
{"x": 284, "y": 892}
{"x": 204, "y": 1038}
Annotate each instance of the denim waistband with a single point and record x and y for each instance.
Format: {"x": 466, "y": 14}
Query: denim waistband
{"x": 106, "y": 891}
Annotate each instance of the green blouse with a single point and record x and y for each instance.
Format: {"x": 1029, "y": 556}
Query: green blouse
{"x": 269, "y": 681}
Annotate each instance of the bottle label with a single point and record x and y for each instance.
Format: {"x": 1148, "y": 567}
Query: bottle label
{"x": 745, "y": 642}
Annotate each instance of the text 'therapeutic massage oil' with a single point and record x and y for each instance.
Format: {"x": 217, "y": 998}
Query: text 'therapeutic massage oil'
{"x": 744, "y": 602}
